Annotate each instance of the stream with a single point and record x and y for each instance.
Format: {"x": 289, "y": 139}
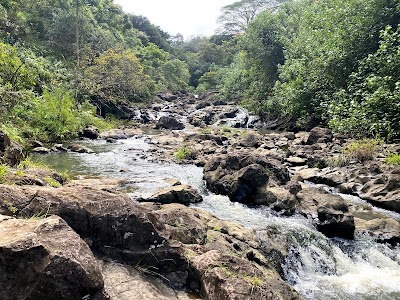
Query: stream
{"x": 317, "y": 267}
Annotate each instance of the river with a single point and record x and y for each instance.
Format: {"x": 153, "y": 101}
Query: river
{"x": 317, "y": 267}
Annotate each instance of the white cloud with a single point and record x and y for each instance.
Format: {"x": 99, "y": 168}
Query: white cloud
{"x": 178, "y": 16}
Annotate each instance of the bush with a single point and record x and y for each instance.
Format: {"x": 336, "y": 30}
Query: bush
{"x": 362, "y": 150}
{"x": 393, "y": 159}
{"x": 184, "y": 153}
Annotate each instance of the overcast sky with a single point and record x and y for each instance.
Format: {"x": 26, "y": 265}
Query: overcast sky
{"x": 188, "y": 17}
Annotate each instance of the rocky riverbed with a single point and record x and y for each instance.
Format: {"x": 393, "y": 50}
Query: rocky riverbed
{"x": 159, "y": 238}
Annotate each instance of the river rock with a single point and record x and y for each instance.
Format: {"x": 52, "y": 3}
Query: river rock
{"x": 335, "y": 222}
{"x": 223, "y": 257}
{"x": 45, "y": 259}
{"x": 239, "y": 175}
{"x": 278, "y": 198}
{"x": 110, "y": 222}
{"x": 382, "y": 228}
{"x": 90, "y": 132}
{"x": 183, "y": 194}
{"x": 41, "y": 150}
{"x": 168, "y": 122}
{"x": 319, "y": 135}
{"x": 167, "y": 96}
{"x": 79, "y": 148}
{"x": 383, "y": 191}
{"x": 332, "y": 211}
{"x": 251, "y": 140}
{"x": 124, "y": 282}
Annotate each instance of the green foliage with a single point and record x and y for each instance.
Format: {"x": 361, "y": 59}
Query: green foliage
{"x": 118, "y": 76}
{"x": 28, "y": 163}
{"x": 11, "y": 208}
{"x": 371, "y": 103}
{"x": 52, "y": 182}
{"x": 185, "y": 153}
{"x": 393, "y": 159}
{"x": 301, "y": 64}
{"x": 50, "y": 117}
{"x": 3, "y": 172}
{"x": 362, "y": 150}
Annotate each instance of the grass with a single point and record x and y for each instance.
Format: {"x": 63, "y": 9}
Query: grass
{"x": 11, "y": 208}
{"x": 3, "y": 171}
{"x": 338, "y": 161}
{"x": 393, "y": 159}
{"x": 185, "y": 153}
{"x": 362, "y": 150}
{"x": 52, "y": 182}
{"x": 27, "y": 163}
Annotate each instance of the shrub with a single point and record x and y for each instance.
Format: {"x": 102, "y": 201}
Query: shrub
{"x": 338, "y": 161}
{"x": 184, "y": 153}
{"x": 362, "y": 150}
{"x": 393, "y": 159}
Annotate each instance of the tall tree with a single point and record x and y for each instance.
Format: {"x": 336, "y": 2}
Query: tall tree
{"x": 236, "y": 17}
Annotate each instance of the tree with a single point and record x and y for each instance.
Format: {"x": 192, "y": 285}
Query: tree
{"x": 117, "y": 76}
{"x": 235, "y": 18}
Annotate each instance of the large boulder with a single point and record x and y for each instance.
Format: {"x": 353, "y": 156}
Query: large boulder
{"x": 240, "y": 175}
{"x": 11, "y": 153}
{"x": 332, "y": 211}
{"x": 90, "y": 132}
{"x": 110, "y": 222}
{"x": 182, "y": 193}
{"x": 319, "y": 135}
{"x": 223, "y": 257}
{"x": 45, "y": 259}
{"x": 383, "y": 191}
{"x": 168, "y": 122}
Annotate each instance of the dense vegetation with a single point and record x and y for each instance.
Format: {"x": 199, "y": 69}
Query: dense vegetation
{"x": 301, "y": 62}
{"x": 60, "y": 58}
{"x": 330, "y": 61}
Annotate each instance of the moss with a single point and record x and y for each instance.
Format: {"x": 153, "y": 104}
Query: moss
{"x": 393, "y": 159}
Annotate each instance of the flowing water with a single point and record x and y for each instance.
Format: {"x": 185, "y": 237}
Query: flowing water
{"x": 317, "y": 267}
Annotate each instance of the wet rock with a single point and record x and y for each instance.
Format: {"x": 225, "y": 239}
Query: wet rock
{"x": 223, "y": 257}
{"x": 239, "y": 175}
{"x": 310, "y": 199}
{"x": 168, "y": 122}
{"x": 201, "y": 118}
{"x": 183, "y": 194}
{"x": 41, "y": 150}
{"x": 228, "y": 277}
{"x": 90, "y": 132}
{"x": 79, "y": 148}
{"x": 45, "y": 259}
{"x": 35, "y": 144}
{"x": 335, "y": 222}
{"x": 380, "y": 227}
{"x": 278, "y": 198}
{"x": 59, "y": 147}
{"x": 240, "y": 185}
